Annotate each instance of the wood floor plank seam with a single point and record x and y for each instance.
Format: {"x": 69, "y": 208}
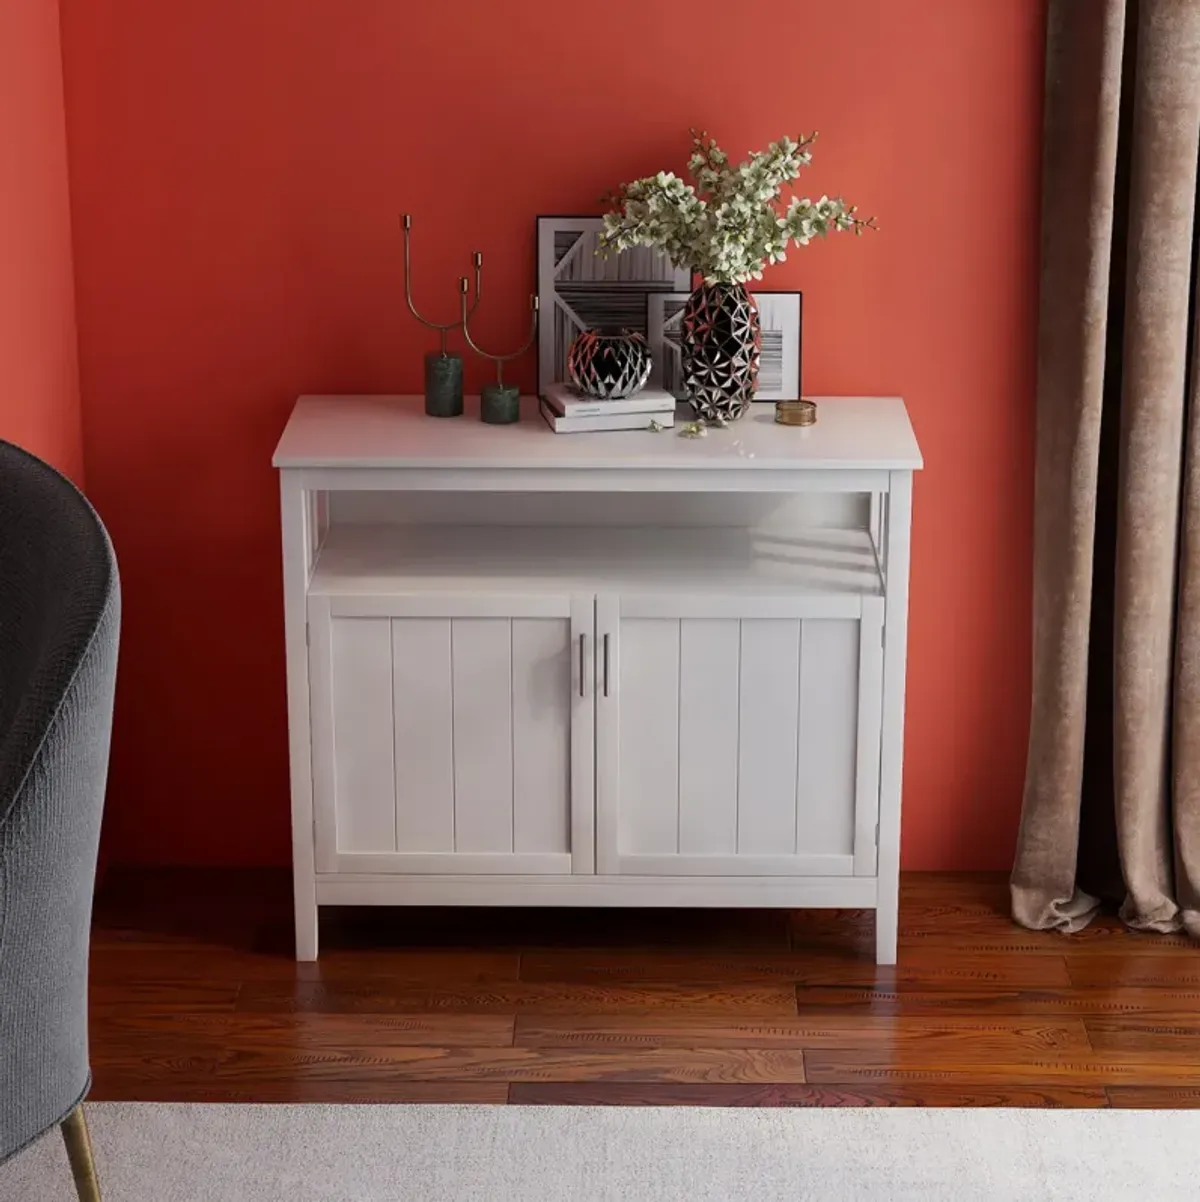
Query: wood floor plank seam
{"x": 998, "y": 1035}
{"x": 804, "y": 969}
{"x": 413, "y": 1063}
{"x": 801, "y": 1095}
{"x": 1150, "y": 1097}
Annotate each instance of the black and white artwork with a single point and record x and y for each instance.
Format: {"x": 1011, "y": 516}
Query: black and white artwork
{"x": 580, "y": 290}
{"x": 779, "y": 363}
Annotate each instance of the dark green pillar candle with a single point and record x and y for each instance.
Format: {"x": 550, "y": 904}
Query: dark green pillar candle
{"x": 500, "y": 404}
{"x": 443, "y": 385}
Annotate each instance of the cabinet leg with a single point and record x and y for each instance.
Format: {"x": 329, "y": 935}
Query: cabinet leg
{"x": 306, "y": 921}
{"x": 306, "y": 933}
{"x": 887, "y": 926}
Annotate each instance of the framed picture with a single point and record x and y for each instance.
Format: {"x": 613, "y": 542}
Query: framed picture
{"x": 779, "y": 365}
{"x": 579, "y": 290}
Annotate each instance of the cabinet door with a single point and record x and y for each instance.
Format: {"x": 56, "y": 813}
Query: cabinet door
{"x": 452, "y": 734}
{"x": 738, "y": 735}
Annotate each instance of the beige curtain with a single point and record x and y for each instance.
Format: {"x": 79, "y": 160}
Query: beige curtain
{"x": 1112, "y": 791}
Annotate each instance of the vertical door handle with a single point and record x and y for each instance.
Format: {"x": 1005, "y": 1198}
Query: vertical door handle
{"x": 582, "y": 663}
{"x": 606, "y": 665}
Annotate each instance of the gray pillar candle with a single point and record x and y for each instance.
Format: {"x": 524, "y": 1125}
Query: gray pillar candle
{"x": 500, "y": 404}
{"x": 443, "y": 384}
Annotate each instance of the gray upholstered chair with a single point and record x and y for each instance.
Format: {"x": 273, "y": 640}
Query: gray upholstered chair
{"x": 59, "y": 617}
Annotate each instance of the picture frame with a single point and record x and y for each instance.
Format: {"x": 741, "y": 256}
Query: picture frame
{"x": 781, "y": 315}
{"x": 579, "y": 290}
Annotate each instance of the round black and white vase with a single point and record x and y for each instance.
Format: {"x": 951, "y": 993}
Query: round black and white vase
{"x": 609, "y": 366}
{"x": 720, "y": 343}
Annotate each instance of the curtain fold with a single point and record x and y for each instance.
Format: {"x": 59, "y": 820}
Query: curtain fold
{"x": 1112, "y": 794}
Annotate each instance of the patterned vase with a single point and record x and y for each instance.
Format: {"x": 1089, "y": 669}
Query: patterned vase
{"x": 720, "y": 340}
{"x": 609, "y": 366}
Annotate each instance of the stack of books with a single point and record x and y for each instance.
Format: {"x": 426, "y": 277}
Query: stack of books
{"x": 569, "y": 412}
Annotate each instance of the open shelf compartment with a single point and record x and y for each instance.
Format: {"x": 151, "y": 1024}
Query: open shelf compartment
{"x": 388, "y": 558}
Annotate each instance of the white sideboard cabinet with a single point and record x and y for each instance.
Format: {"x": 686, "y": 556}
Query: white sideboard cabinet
{"x": 595, "y": 669}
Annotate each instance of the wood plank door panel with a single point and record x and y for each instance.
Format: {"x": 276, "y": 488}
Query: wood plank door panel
{"x": 452, "y": 735}
{"x": 738, "y": 736}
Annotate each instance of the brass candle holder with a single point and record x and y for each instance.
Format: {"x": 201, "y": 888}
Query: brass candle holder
{"x": 499, "y": 403}
{"x": 796, "y": 413}
{"x": 443, "y": 367}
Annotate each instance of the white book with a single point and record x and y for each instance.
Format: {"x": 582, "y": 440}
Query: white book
{"x": 562, "y": 398}
{"x": 613, "y": 421}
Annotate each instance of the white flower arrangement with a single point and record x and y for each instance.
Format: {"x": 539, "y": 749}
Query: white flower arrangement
{"x": 728, "y": 225}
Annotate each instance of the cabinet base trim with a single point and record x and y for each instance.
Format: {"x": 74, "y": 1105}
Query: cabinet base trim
{"x": 738, "y": 865}
{"x": 676, "y": 892}
{"x": 446, "y": 864}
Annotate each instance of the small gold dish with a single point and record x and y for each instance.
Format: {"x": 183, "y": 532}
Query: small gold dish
{"x": 796, "y": 413}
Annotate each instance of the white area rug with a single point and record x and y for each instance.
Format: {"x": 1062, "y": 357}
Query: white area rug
{"x": 240, "y": 1153}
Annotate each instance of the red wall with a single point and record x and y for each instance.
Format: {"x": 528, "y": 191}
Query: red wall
{"x": 238, "y": 168}
{"x": 39, "y": 377}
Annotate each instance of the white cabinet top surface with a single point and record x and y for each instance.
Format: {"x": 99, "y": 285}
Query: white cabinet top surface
{"x": 852, "y": 433}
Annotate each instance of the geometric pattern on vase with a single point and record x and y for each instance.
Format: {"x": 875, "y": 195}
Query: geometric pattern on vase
{"x": 720, "y": 345}
{"x": 609, "y": 367}
{"x": 779, "y": 316}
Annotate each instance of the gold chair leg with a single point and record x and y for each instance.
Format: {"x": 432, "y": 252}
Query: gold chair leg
{"x": 79, "y": 1153}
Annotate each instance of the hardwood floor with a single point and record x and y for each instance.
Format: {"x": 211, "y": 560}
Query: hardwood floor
{"x": 195, "y": 997}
